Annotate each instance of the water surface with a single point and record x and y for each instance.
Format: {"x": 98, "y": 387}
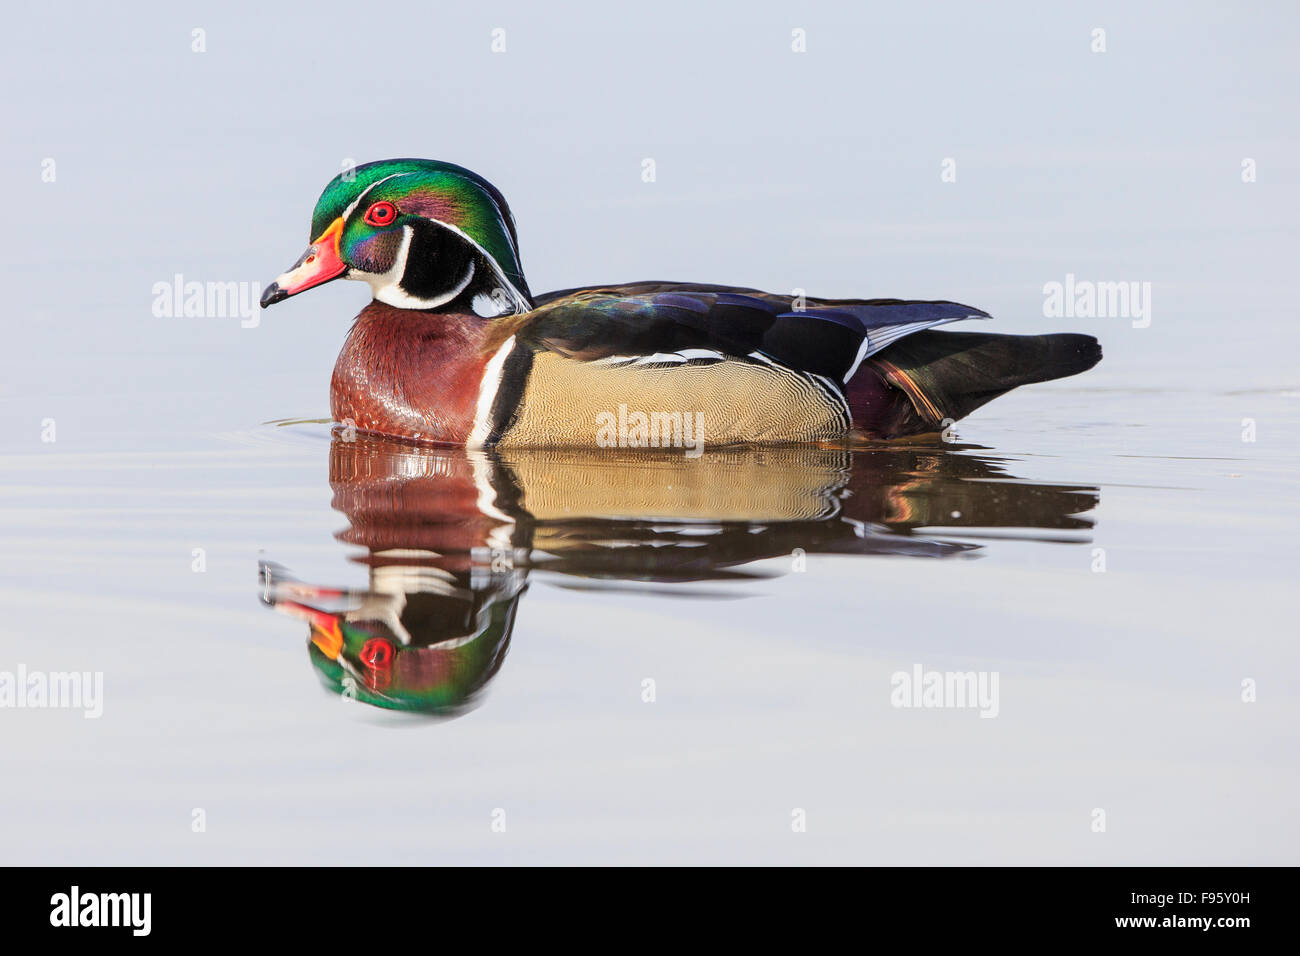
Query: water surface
{"x": 769, "y": 595}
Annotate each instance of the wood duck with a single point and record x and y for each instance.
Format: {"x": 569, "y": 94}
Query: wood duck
{"x": 455, "y": 348}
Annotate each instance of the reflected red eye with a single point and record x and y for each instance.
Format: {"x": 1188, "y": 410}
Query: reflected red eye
{"x": 377, "y": 653}
{"x": 381, "y": 214}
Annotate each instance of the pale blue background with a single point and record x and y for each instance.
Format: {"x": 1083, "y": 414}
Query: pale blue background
{"x": 775, "y": 169}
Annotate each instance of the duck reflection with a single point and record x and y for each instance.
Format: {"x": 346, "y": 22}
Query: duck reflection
{"x": 450, "y": 537}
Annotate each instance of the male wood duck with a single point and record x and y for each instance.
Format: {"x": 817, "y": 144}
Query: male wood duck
{"x": 456, "y": 349}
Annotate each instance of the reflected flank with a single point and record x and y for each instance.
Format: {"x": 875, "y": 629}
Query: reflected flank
{"x": 450, "y": 537}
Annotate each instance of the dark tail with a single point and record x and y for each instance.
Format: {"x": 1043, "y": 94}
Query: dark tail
{"x": 947, "y": 375}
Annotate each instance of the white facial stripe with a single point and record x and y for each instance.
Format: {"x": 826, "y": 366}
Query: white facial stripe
{"x": 386, "y": 287}
{"x": 520, "y": 303}
{"x": 382, "y": 282}
{"x": 356, "y": 202}
{"x": 487, "y": 395}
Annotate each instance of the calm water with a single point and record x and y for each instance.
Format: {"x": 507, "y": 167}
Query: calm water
{"x": 769, "y": 596}
{"x": 521, "y": 605}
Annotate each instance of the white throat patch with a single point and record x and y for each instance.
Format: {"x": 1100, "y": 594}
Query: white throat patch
{"x": 386, "y": 287}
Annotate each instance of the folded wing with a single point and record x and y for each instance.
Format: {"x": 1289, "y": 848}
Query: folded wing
{"x": 661, "y": 323}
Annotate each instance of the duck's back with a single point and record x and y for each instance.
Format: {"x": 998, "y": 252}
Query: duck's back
{"x": 753, "y": 366}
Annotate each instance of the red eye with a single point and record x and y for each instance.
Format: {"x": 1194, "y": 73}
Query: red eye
{"x": 381, "y": 214}
{"x": 377, "y": 653}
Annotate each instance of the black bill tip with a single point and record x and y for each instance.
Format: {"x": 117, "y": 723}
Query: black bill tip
{"x": 273, "y": 294}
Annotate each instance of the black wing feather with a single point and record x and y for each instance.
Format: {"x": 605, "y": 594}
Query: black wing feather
{"x": 826, "y": 338}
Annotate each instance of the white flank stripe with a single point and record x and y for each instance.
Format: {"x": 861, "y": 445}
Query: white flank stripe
{"x": 487, "y": 393}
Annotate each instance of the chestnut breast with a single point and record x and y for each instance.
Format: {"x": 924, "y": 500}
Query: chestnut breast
{"x": 411, "y": 374}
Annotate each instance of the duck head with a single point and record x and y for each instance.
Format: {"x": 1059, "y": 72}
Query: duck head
{"x": 421, "y": 639}
{"x": 424, "y": 235}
